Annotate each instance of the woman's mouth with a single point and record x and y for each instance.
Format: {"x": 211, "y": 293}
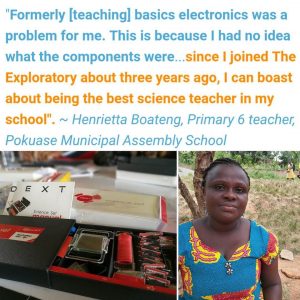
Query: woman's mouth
{"x": 228, "y": 207}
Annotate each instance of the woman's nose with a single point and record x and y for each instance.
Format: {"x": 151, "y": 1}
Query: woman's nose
{"x": 230, "y": 194}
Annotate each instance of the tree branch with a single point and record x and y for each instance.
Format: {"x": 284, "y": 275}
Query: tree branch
{"x": 185, "y": 193}
{"x": 202, "y": 161}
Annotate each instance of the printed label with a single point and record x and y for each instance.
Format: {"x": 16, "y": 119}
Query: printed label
{"x": 20, "y": 233}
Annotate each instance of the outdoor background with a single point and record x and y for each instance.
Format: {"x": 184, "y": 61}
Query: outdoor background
{"x": 273, "y": 202}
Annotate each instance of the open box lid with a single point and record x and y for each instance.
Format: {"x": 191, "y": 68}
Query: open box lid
{"x": 29, "y": 246}
{"x": 119, "y": 209}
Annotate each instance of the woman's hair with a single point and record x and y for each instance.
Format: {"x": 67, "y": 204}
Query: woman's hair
{"x": 222, "y": 161}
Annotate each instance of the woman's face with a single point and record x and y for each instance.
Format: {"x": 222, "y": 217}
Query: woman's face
{"x": 226, "y": 193}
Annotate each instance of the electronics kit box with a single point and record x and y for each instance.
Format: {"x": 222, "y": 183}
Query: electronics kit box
{"x": 87, "y": 206}
{"x": 94, "y": 261}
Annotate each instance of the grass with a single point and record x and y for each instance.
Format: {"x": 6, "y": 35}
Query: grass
{"x": 262, "y": 174}
{"x": 275, "y": 205}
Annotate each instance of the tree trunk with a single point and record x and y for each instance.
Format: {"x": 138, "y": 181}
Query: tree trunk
{"x": 188, "y": 198}
{"x": 202, "y": 161}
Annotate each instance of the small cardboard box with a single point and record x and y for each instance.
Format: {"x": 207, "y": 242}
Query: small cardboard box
{"x": 37, "y": 251}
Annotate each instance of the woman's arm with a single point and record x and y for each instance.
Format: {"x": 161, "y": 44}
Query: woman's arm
{"x": 271, "y": 283}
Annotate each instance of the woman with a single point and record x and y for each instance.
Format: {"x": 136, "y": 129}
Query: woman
{"x": 290, "y": 171}
{"x": 223, "y": 255}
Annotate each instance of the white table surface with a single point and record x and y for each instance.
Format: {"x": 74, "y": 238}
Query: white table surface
{"x": 103, "y": 179}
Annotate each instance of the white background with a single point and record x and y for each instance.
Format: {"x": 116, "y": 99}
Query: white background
{"x": 243, "y": 137}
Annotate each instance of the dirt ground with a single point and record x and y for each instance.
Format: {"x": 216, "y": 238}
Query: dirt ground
{"x": 291, "y": 287}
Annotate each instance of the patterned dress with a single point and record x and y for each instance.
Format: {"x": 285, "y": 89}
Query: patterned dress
{"x": 206, "y": 274}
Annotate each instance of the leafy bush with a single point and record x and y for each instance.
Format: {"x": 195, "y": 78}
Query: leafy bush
{"x": 187, "y": 158}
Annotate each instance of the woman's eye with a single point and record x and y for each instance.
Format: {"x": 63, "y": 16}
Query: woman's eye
{"x": 240, "y": 190}
{"x": 219, "y": 187}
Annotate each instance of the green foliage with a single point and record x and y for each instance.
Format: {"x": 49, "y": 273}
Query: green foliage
{"x": 267, "y": 160}
{"x": 187, "y": 158}
{"x": 252, "y": 157}
{"x": 221, "y": 154}
{"x": 286, "y": 156}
